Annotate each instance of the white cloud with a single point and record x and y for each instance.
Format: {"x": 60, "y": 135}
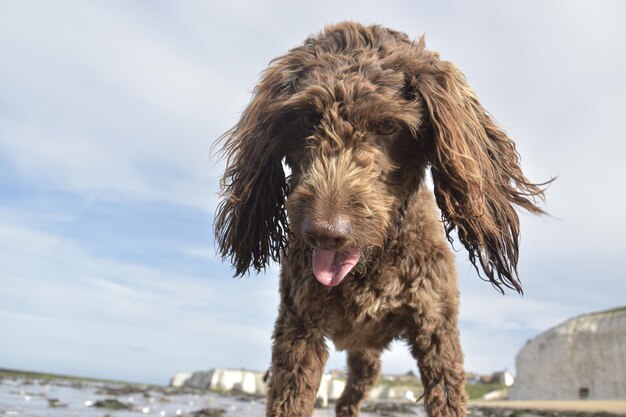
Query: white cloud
{"x": 82, "y": 300}
{"x": 205, "y": 253}
{"x": 109, "y": 105}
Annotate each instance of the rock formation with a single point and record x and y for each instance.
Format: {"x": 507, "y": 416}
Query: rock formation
{"x": 178, "y": 379}
{"x": 238, "y": 381}
{"x": 582, "y": 358}
{"x": 228, "y": 380}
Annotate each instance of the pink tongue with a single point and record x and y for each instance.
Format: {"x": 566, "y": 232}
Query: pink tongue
{"x": 330, "y": 267}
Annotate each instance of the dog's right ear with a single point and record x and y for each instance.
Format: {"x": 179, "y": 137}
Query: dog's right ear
{"x": 250, "y": 223}
{"x": 476, "y": 170}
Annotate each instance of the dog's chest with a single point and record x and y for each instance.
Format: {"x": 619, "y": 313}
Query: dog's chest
{"x": 364, "y": 316}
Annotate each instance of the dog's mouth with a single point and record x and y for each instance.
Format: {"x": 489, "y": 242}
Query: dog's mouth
{"x": 331, "y": 267}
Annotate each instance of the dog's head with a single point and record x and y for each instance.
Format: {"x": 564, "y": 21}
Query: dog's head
{"x": 358, "y": 113}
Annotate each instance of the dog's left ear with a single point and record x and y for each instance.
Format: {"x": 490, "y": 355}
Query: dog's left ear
{"x": 250, "y": 223}
{"x": 476, "y": 173}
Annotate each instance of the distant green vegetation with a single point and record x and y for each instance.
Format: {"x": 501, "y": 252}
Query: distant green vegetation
{"x": 12, "y": 373}
{"x": 403, "y": 381}
{"x": 476, "y": 391}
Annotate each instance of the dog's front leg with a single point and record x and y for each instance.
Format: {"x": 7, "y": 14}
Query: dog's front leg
{"x": 363, "y": 370}
{"x": 437, "y": 348}
{"x": 298, "y": 357}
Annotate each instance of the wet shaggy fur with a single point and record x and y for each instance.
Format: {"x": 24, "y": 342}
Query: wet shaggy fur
{"x": 358, "y": 114}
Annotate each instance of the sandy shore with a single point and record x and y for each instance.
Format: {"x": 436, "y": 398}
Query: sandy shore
{"x": 584, "y": 405}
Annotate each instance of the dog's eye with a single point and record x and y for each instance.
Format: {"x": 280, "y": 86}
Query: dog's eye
{"x": 386, "y": 128}
{"x": 307, "y": 121}
{"x": 299, "y": 119}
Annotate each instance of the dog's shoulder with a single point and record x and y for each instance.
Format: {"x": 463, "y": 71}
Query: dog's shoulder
{"x": 422, "y": 225}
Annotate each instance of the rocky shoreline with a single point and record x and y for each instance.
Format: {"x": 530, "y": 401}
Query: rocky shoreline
{"x": 491, "y": 411}
{"x": 51, "y": 396}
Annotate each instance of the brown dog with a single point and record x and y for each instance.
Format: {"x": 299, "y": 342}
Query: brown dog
{"x": 358, "y": 114}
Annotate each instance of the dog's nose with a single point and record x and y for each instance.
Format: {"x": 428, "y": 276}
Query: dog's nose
{"x": 327, "y": 234}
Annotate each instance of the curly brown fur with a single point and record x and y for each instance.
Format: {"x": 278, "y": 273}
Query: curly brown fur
{"x": 358, "y": 114}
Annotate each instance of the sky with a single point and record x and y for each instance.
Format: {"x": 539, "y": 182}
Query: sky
{"x": 108, "y": 110}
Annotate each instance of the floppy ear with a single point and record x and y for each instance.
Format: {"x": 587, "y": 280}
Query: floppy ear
{"x": 476, "y": 172}
{"x": 250, "y": 223}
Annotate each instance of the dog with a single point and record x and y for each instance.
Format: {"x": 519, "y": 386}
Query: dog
{"x": 326, "y": 174}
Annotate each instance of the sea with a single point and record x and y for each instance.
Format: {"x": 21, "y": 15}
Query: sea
{"x": 25, "y": 397}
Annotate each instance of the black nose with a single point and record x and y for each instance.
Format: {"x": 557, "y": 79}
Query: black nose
{"x": 327, "y": 234}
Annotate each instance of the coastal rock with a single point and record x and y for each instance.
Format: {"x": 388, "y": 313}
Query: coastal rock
{"x": 237, "y": 381}
{"x": 582, "y": 358}
{"x": 228, "y": 380}
{"x": 330, "y": 390}
{"x": 178, "y": 379}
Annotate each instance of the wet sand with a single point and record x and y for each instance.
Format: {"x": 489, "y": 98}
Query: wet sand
{"x": 607, "y": 406}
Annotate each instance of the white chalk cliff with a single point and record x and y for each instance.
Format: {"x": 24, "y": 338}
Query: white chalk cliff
{"x": 582, "y": 358}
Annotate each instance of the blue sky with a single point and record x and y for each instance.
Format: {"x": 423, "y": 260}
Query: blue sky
{"x": 107, "y": 187}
